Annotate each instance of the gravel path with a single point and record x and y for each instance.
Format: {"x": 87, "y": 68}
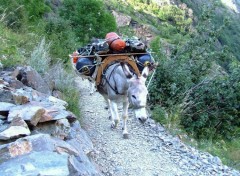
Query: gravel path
{"x": 149, "y": 151}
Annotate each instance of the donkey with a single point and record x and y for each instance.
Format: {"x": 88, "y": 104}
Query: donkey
{"x": 119, "y": 84}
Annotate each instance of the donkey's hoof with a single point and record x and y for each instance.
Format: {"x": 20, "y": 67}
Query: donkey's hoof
{"x": 125, "y": 136}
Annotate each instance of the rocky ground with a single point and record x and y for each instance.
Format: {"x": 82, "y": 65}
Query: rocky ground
{"x": 150, "y": 150}
{"x": 38, "y": 136}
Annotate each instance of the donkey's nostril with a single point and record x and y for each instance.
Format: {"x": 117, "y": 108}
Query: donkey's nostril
{"x": 142, "y": 120}
{"x": 134, "y": 96}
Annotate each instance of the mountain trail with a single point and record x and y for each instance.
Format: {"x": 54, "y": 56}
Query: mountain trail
{"x": 150, "y": 149}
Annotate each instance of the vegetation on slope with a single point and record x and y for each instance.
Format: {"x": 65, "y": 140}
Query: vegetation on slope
{"x": 196, "y": 87}
{"x": 43, "y": 34}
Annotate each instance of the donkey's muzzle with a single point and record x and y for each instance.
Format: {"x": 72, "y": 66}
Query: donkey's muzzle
{"x": 142, "y": 119}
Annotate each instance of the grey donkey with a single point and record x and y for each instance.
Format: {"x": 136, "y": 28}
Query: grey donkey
{"x": 120, "y": 85}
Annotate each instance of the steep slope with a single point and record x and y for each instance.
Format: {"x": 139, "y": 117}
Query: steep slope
{"x": 151, "y": 150}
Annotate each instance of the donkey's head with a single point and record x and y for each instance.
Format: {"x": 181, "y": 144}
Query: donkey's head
{"x": 137, "y": 92}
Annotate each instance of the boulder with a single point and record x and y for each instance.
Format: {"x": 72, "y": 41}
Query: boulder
{"x": 36, "y": 163}
{"x": 5, "y": 107}
{"x": 59, "y": 128}
{"x": 79, "y": 138}
{"x": 57, "y": 101}
{"x": 27, "y": 112}
{"x": 29, "y": 77}
{"x": 6, "y": 95}
{"x": 121, "y": 19}
{"x": 17, "y": 128}
{"x": 83, "y": 167}
{"x": 14, "y": 149}
{"x": 38, "y": 143}
{"x": 54, "y": 114}
{"x": 21, "y": 97}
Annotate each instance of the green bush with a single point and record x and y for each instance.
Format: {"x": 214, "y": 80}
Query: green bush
{"x": 19, "y": 14}
{"x": 88, "y": 19}
{"x": 65, "y": 82}
{"x": 40, "y": 59}
{"x": 63, "y": 39}
{"x": 213, "y": 108}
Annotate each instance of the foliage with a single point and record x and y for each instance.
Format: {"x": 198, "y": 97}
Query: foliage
{"x": 19, "y": 14}
{"x": 213, "y": 108}
{"x": 88, "y": 19}
{"x": 40, "y": 59}
{"x": 65, "y": 82}
{"x": 230, "y": 34}
{"x": 10, "y": 54}
{"x": 188, "y": 78}
{"x": 63, "y": 38}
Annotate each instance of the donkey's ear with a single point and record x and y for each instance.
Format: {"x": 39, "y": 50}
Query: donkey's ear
{"x": 145, "y": 72}
{"x": 126, "y": 70}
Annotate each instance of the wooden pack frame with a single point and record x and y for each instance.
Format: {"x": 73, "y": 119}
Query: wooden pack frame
{"x": 104, "y": 63}
{"x": 110, "y": 59}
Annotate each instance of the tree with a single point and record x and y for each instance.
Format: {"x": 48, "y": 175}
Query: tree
{"x": 88, "y": 18}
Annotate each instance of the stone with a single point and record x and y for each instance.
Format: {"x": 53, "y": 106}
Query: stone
{"x": 80, "y": 139}
{"x": 17, "y": 148}
{"x": 29, "y": 77}
{"x": 59, "y": 128}
{"x": 36, "y": 163}
{"x": 2, "y": 117}
{"x": 14, "y": 132}
{"x": 57, "y": 102}
{"x": 15, "y": 84}
{"x": 17, "y": 128}
{"x": 20, "y": 96}
{"x": 83, "y": 167}
{"x": 38, "y": 143}
{"x": 121, "y": 19}
{"x": 51, "y": 115}
{"x": 27, "y": 112}
{"x": 6, "y": 96}
{"x": 5, "y": 107}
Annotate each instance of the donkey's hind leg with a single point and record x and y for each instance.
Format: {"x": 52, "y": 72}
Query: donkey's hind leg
{"x": 114, "y": 113}
{"x": 125, "y": 117}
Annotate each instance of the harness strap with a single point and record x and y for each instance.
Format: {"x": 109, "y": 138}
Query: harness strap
{"x": 110, "y": 59}
{"x": 113, "y": 41}
{"x": 107, "y": 80}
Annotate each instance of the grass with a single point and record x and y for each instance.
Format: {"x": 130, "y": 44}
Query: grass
{"x": 227, "y": 151}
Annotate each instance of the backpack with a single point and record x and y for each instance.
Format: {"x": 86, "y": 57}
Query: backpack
{"x": 135, "y": 46}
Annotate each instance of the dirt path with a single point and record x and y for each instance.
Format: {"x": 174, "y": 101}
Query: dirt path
{"x": 149, "y": 151}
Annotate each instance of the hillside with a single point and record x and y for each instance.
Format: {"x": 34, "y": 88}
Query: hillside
{"x": 195, "y": 93}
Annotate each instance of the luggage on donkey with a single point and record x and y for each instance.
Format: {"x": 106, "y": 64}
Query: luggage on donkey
{"x": 116, "y": 44}
{"x": 135, "y": 45}
{"x": 85, "y": 66}
{"x": 144, "y": 60}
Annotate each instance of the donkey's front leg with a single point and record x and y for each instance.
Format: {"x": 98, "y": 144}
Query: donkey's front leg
{"x": 114, "y": 113}
{"x": 125, "y": 117}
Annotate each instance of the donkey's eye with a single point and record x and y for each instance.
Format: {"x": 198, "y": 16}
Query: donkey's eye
{"x": 134, "y": 96}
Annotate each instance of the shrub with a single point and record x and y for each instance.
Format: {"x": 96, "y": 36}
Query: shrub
{"x": 88, "y": 18}
{"x": 19, "y": 14}
{"x": 213, "y": 108}
{"x": 63, "y": 40}
{"x": 40, "y": 59}
{"x": 65, "y": 82}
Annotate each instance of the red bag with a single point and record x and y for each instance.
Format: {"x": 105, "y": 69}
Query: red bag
{"x": 115, "y": 42}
